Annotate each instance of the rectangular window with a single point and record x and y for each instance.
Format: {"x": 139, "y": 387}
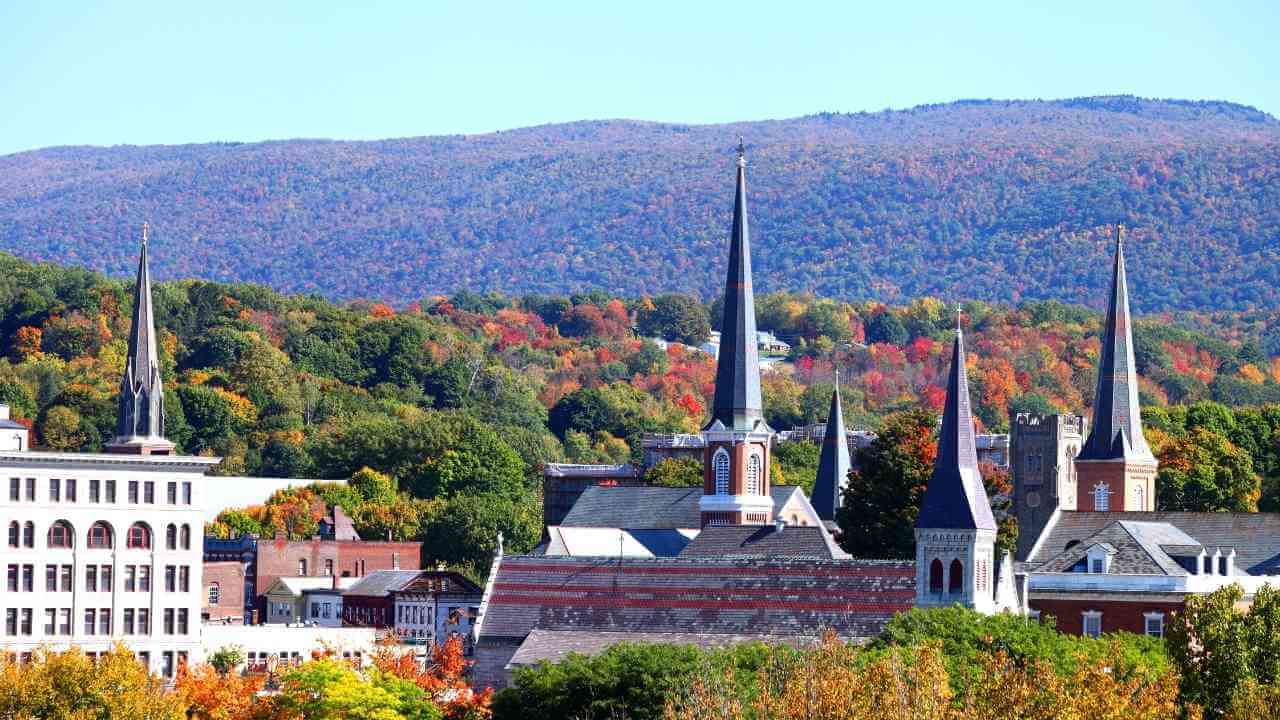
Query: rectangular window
{"x": 90, "y": 621}
{"x": 104, "y": 621}
{"x": 64, "y": 621}
{"x": 171, "y": 493}
{"x": 12, "y": 584}
{"x": 128, "y": 622}
{"x": 1092, "y": 624}
{"x": 1154, "y": 624}
{"x": 15, "y": 485}
{"x": 166, "y": 663}
{"x": 1095, "y": 565}
{"x": 149, "y": 493}
{"x": 67, "y": 571}
{"x": 91, "y": 578}
{"x": 27, "y": 615}
{"x": 50, "y": 621}
{"x": 105, "y": 578}
{"x": 28, "y": 578}
{"x": 71, "y": 490}
{"x": 111, "y": 491}
{"x": 133, "y": 492}
{"x": 31, "y": 489}
{"x": 184, "y": 579}
{"x": 51, "y": 578}
{"x": 95, "y": 491}
{"x": 144, "y": 578}
{"x": 183, "y": 618}
{"x": 170, "y": 578}
{"x": 144, "y": 621}
{"x": 11, "y": 621}
{"x": 315, "y": 610}
{"x": 130, "y": 577}
{"x": 186, "y": 493}
{"x": 395, "y": 561}
{"x": 145, "y": 659}
{"x": 168, "y": 621}
{"x": 328, "y": 567}
{"x": 302, "y": 567}
{"x": 55, "y": 490}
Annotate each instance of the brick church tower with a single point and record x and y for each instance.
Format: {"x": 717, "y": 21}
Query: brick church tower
{"x": 1115, "y": 470}
{"x": 955, "y": 530}
{"x": 738, "y": 441}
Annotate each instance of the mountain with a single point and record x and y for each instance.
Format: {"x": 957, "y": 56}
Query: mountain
{"x": 992, "y": 200}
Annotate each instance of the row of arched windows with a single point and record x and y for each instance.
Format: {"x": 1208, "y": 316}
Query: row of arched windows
{"x": 101, "y": 536}
{"x": 954, "y": 581}
{"x": 720, "y": 469}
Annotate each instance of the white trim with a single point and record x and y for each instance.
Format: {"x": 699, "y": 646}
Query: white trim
{"x": 721, "y": 481}
{"x": 736, "y": 503}
{"x": 1146, "y": 620}
{"x": 1085, "y": 617}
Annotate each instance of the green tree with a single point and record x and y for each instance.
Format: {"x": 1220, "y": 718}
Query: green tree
{"x": 373, "y": 486}
{"x": 675, "y": 472}
{"x": 61, "y": 429}
{"x": 883, "y": 496}
{"x": 679, "y": 318}
{"x": 465, "y": 531}
{"x": 885, "y": 327}
{"x": 1203, "y": 471}
{"x": 799, "y": 462}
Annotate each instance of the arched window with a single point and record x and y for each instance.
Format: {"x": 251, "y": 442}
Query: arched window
{"x": 1102, "y": 497}
{"x": 60, "y": 535}
{"x": 185, "y": 537}
{"x": 29, "y": 534}
{"x": 100, "y": 535}
{"x": 139, "y": 537}
{"x": 720, "y": 466}
{"x": 171, "y": 537}
{"x": 753, "y": 474}
{"x": 935, "y": 576}
{"x": 956, "y": 581}
{"x": 13, "y": 534}
{"x": 215, "y": 592}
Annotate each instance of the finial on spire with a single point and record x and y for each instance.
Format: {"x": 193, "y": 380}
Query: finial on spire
{"x": 146, "y": 227}
{"x": 959, "y": 309}
{"x": 742, "y": 153}
{"x": 1119, "y": 234}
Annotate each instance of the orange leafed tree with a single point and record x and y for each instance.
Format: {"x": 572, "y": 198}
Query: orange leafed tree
{"x": 444, "y": 677}
{"x": 212, "y": 696}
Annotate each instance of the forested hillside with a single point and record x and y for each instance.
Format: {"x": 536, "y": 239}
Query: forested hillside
{"x": 996, "y": 201}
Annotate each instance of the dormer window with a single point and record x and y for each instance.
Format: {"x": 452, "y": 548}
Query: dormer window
{"x": 1098, "y": 558}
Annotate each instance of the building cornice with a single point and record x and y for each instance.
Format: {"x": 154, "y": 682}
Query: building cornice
{"x": 39, "y": 458}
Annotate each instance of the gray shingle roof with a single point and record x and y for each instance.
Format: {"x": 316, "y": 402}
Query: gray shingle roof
{"x": 650, "y": 508}
{"x": 833, "y": 462}
{"x": 554, "y": 645}
{"x": 380, "y": 582}
{"x": 764, "y": 541}
{"x": 685, "y": 595}
{"x": 1254, "y": 536}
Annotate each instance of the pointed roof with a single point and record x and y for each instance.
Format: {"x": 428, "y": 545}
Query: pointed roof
{"x": 141, "y": 409}
{"x": 1116, "y": 430}
{"x": 737, "y": 403}
{"x": 955, "y": 497}
{"x": 833, "y": 463}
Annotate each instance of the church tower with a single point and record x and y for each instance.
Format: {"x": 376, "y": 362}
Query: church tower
{"x": 140, "y": 420}
{"x": 833, "y": 462}
{"x": 738, "y": 441}
{"x": 1115, "y": 470}
{"x": 955, "y": 531}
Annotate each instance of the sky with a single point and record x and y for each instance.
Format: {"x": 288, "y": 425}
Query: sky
{"x": 107, "y": 73}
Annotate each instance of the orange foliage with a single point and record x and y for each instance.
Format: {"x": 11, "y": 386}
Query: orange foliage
{"x": 212, "y": 696}
{"x": 443, "y": 678}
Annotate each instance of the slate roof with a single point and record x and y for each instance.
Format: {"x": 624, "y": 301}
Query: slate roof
{"x": 737, "y": 405}
{"x": 764, "y": 541}
{"x": 833, "y": 462}
{"x": 685, "y": 595}
{"x": 429, "y": 581}
{"x": 381, "y": 582}
{"x": 298, "y": 585}
{"x": 1116, "y": 430}
{"x": 1255, "y": 537}
{"x": 955, "y": 497}
{"x": 141, "y": 400}
{"x": 554, "y": 645}
{"x": 612, "y": 541}
{"x": 645, "y": 507}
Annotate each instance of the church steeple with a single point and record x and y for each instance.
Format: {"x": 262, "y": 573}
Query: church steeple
{"x": 1117, "y": 418}
{"x": 833, "y": 463}
{"x": 737, "y": 404}
{"x": 140, "y": 421}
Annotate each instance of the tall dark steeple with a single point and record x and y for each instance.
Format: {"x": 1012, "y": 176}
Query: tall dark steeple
{"x": 1117, "y": 418}
{"x": 833, "y": 463}
{"x": 140, "y": 423}
{"x": 955, "y": 497}
{"x": 737, "y": 403}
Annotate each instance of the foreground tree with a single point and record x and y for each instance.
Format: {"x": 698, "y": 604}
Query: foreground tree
{"x": 74, "y": 686}
{"x": 882, "y": 500}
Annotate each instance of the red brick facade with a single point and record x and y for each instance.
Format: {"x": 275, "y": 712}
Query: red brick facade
{"x": 344, "y": 558}
{"x": 1123, "y": 479}
{"x": 357, "y": 558}
{"x": 223, "y": 592}
{"x": 738, "y": 454}
{"x": 1127, "y": 615}
{"x": 366, "y": 611}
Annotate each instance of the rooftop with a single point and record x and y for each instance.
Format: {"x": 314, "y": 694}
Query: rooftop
{"x": 764, "y": 541}
{"x": 648, "y": 507}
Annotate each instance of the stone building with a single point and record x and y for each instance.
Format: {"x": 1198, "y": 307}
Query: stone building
{"x": 1042, "y": 463}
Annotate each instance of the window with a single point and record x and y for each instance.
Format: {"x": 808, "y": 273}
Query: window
{"x": 1222, "y": 565}
{"x": 66, "y": 578}
{"x": 956, "y": 582}
{"x": 186, "y": 493}
{"x": 15, "y": 484}
{"x": 50, "y": 621}
{"x": 1092, "y": 623}
{"x": 302, "y": 566}
{"x": 183, "y": 621}
{"x": 31, "y": 489}
{"x": 215, "y": 592}
{"x": 139, "y": 537}
{"x": 90, "y": 621}
{"x": 395, "y": 561}
{"x": 28, "y": 578}
{"x": 51, "y": 578}
{"x": 59, "y": 535}
{"x": 1102, "y": 497}
{"x": 13, "y": 534}
{"x": 171, "y": 493}
{"x": 935, "y": 576}
{"x": 133, "y": 492}
{"x": 145, "y": 659}
{"x": 91, "y": 578}
{"x": 100, "y": 535}
{"x": 95, "y": 491}
{"x": 55, "y": 490}
{"x": 166, "y": 663}
{"x": 29, "y": 534}
{"x": 184, "y": 579}
{"x": 168, "y": 621}
{"x": 111, "y": 491}
{"x": 720, "y": 465}
{"x": 130, "y": 577}
{"x": 171, "y": 537}
{"x": 184, "y": 537}
{"x": 144, "y": 621}
{"x": 149, "y": 493}
{"x": 170, "y": 578}
{"x": 144, "y": 578}
{"x": 1096, "y": 565}
{"x": 12, "y": 584}
{"x": 11, "y": 621}
{"x": 105, "y": 578}
{"x": 127, "y": 629}
{"x": 71, "y": 490}
{"x": 64, "y": 621}
{"x": 328, "y": 567}
{"x": 27, "y": 614}
{"x": 753, "y": 474}
{"x": 104, "y": 621}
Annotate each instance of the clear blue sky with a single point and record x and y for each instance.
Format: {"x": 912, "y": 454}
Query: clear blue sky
{"x": 174, "y": 72}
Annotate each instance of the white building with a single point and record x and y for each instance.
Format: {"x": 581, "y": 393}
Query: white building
{"x": 13, "y": 435}
{"x": 106, "y": 547}
{"x": 434, "y": 606}
{"x": 281, "y": 645}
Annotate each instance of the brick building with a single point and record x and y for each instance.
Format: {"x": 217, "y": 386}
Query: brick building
{"x": 224, "y": 593}
{"x": 369, "y": 602}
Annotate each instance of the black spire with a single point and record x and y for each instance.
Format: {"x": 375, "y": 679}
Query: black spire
{"x": 141, "y": 415}
{"x": 1117, "y": 422}
{"x": 737, "y": 403}
{"x": 833, "y": 463}
{"x": 955, "y": 497}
